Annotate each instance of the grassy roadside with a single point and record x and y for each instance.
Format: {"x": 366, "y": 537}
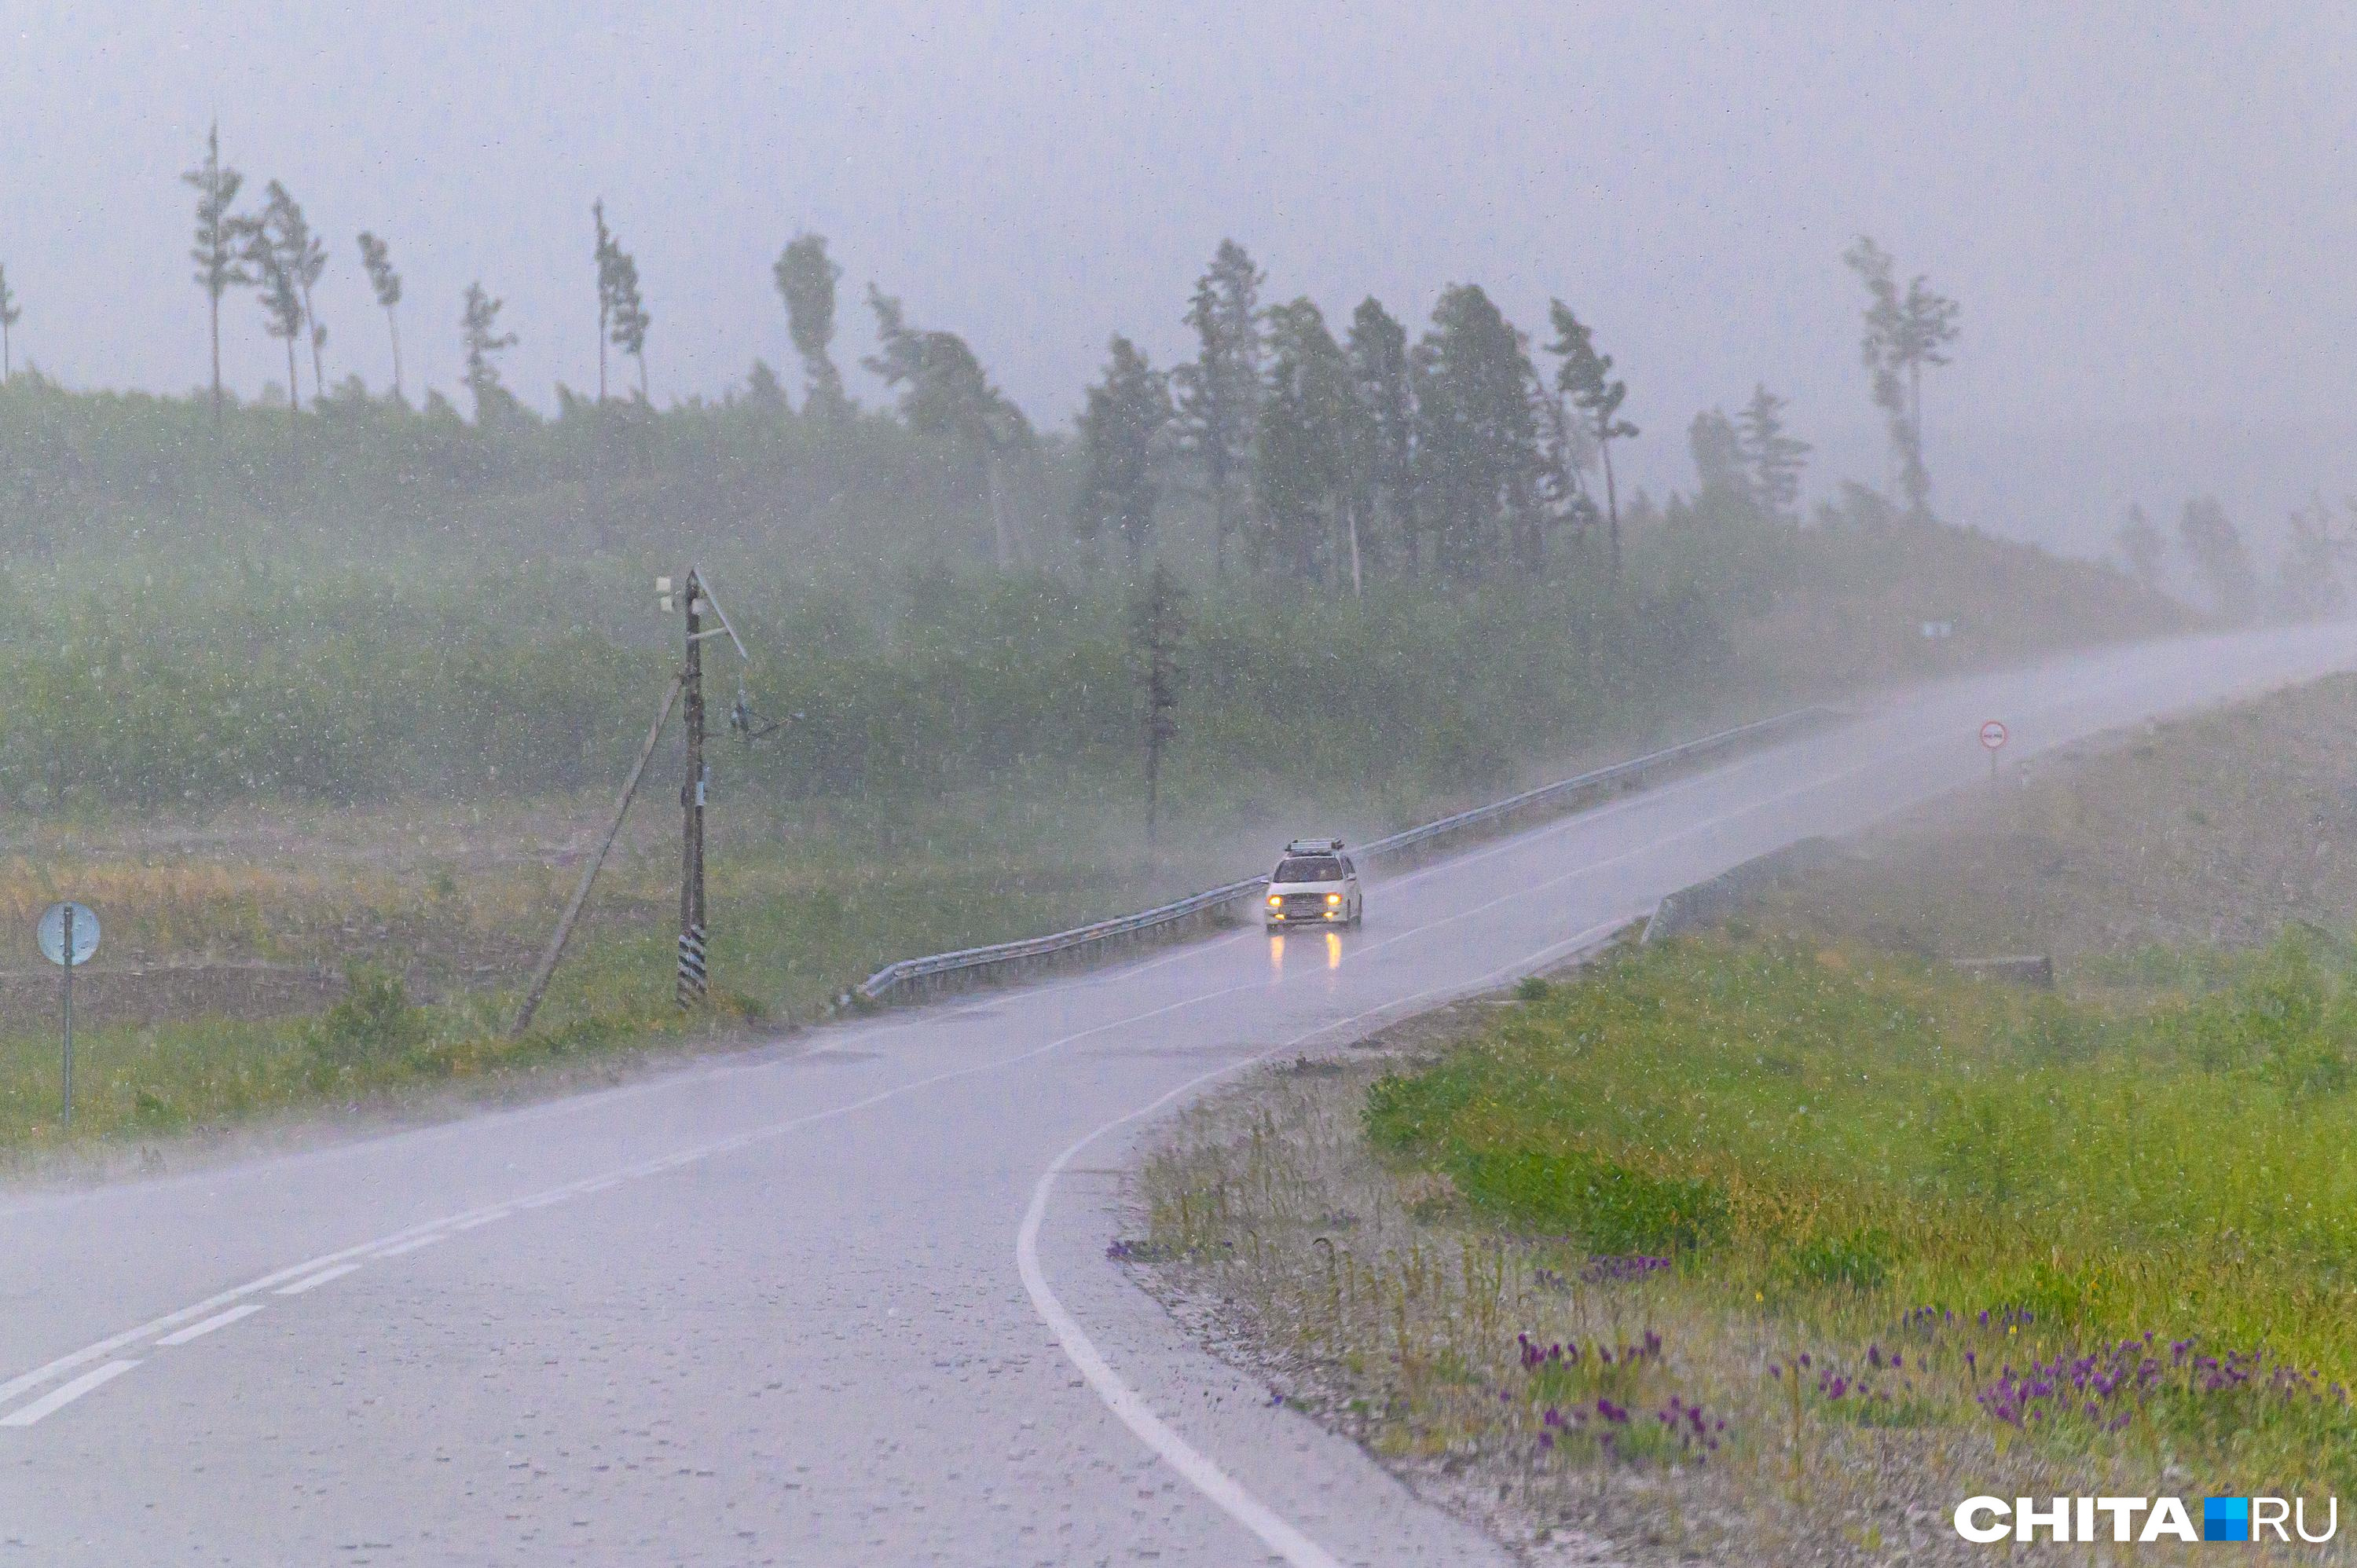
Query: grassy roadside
{"x": 452, "y": 905}
{"x": 1770, "y": 1245}
{"x": 1771, "y": 1255}
{"x": 442, "y": 941}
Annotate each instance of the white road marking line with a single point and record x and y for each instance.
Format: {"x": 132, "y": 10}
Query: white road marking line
{"x": 542, "y": 1199}
{"x": 59, "y": 1398}
{"x": 315, "y": 1281}
{"x": 1197, "y": 1468}
{"x": 218, "y": 1320}
{"x": 94, "y": 1351}
{"x": 400, "y": 1248}
{"x": 154, "y": 1325}
{"x": 469, "y": 1220}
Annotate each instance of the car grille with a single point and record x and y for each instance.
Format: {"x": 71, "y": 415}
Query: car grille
{"x": 1298, "y": 904}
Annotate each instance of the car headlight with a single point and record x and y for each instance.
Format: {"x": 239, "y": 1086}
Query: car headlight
{"x": 1275, "y": 899}
{"x": 1333, "y": 897}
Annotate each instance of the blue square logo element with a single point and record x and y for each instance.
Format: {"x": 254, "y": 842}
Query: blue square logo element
{"x": 2226, "y": 1518}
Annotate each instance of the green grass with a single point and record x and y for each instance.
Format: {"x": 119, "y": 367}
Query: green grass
{"x": 803, "y": 903}
{"x": 1864, "y": 1145}
{"x": 165, "y": 1078}
{"x": 784, "y": 955}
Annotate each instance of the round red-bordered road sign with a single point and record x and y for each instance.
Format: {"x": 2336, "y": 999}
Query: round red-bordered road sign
{"x": 1993, "y": 735}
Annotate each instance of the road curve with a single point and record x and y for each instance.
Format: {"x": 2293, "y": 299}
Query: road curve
{"x": 844, "y": 1301}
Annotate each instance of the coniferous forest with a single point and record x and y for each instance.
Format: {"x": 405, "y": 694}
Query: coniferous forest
{"x": 1412, "y": 529}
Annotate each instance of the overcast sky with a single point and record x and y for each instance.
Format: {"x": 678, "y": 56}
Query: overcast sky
{"x": 2146, "y": 210}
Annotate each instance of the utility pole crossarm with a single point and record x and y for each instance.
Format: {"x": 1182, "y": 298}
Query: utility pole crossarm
{"x": 695, "y": 578}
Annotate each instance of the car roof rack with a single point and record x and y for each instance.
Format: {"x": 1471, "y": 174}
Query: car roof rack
{"x": 1313, "y": 846}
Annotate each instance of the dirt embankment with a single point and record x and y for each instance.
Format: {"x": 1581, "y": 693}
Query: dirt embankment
{"x": 2212, "y": 830}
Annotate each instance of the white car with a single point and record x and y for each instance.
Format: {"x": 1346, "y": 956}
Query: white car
{"x": 1314, "y": 884}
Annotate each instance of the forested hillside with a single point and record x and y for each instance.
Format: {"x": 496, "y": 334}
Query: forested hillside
{"x": 1374, "y": 550}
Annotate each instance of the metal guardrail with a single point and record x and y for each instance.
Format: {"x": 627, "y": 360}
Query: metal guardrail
{"x": 1714, "y": 899}
{"x": 923, "y": 974}
{"x": 937, "y": 971}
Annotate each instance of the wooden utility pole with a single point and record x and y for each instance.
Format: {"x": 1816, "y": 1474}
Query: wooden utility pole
{"x": 1157, "y": 622}
{"x": 1161, "y": 728}
{"x": 692, "y": 986}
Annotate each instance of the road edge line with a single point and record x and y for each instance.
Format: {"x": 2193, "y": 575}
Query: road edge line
{"x": 1196, "y": 1467}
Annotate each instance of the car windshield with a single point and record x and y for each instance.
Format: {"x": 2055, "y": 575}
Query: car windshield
{"x": 1309, "y": 869}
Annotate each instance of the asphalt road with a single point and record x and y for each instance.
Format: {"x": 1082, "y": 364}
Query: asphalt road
{"x": 843, "y": 1300}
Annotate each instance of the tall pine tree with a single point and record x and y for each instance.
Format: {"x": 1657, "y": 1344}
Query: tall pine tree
{"x": 1720, "y": 474}
{"x": 1774, "y": 456}
{"x": 1379, "y": 361}
{"x": 622, "y": 316}
{"x": 1585, "y": 377}
{"x": 1477, "y": 455}
{"x": 604, "y": 253}
{"x": 220, "y": 240}
{"x": 945, "y": 391}
{"x": 631, "y": 317}
{"x": 1219, "y": 391}
{"x": 1120, "y": 432}
{"x": 271, "y": 263}
{"x": 483, "y": 342}
{"x": 1305, "y": 437}
{"x": 1902, "y": 334}
{"x": 9, "y": 315}
{"x": 303, "y": 257}
{"x": 376, "y": 258}
{"x": 2221, "y": 560}
{"x": 806, "y": 277}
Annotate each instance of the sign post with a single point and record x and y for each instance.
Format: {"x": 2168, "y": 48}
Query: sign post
{"x": 1993, "y": 739}
{"x": 67, "y": 935}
